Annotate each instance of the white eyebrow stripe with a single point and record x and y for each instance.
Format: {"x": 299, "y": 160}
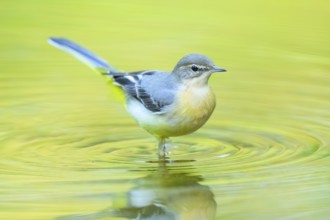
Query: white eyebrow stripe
{"x": 200, "y": 67}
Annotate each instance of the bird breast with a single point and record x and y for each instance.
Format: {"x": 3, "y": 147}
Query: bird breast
{"x": 195, "y": 104}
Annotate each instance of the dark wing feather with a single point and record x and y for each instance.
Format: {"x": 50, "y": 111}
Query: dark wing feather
{"x": 131, "y": 84}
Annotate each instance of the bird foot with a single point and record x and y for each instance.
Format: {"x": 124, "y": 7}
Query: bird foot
{"x": 163, "y": 149}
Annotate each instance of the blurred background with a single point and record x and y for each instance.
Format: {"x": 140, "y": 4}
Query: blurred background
{"x": 69, "y": 150}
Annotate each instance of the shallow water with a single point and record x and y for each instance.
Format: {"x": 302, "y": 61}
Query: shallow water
{"x": 68, "y": 149}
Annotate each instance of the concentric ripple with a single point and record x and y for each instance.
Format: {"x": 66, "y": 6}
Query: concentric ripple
{"x": 230, "y": 159}
{"x": 207, "y": 148}
{"x": 70, "y": 152}
{"x": 57, "y": 152}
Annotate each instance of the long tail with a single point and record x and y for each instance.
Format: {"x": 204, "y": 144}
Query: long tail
{"x": 82, "y": 54}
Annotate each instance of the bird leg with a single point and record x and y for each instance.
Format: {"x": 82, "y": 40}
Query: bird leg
{"x": 162, "y": 148}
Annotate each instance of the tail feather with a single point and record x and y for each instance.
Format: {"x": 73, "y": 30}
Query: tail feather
{"x": 82, "y": 54}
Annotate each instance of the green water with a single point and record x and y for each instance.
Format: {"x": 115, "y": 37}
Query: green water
{"x": 69, "y": 150}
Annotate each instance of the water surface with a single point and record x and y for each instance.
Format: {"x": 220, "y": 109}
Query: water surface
{"x": 68, "y": 149}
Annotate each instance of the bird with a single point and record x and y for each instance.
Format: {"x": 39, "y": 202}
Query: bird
{"x": 165, "y": 104}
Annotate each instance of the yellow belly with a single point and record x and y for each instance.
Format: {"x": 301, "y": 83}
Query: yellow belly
{"x": 192, "y": 109}
{"x": 195, "y": 108}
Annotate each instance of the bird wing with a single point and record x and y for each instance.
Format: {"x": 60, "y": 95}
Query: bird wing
{"x": 151, "y": 88}
{"x": 82, "y": 54}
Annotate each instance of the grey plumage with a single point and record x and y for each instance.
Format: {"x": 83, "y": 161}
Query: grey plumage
{"x": 166, "y": 104}
{"x": 137, "y": 85}
{"x": 154, "y": 89}
{"x": 82, "y": 54}
{"x": 141, "y": 86}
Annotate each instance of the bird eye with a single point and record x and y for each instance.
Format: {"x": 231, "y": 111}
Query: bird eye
{"x": 194, "y": 68}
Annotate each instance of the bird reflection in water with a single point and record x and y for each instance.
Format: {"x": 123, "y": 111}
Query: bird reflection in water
{"x": 166, "y": 194}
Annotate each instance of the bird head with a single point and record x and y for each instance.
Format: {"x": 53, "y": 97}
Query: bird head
{"x": 195, "y": 66}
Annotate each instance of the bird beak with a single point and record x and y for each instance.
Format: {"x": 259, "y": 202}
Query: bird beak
{"x": 218, "y": 69}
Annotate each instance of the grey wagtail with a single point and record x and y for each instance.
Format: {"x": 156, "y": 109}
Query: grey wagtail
{"x": 165, "y": 104}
